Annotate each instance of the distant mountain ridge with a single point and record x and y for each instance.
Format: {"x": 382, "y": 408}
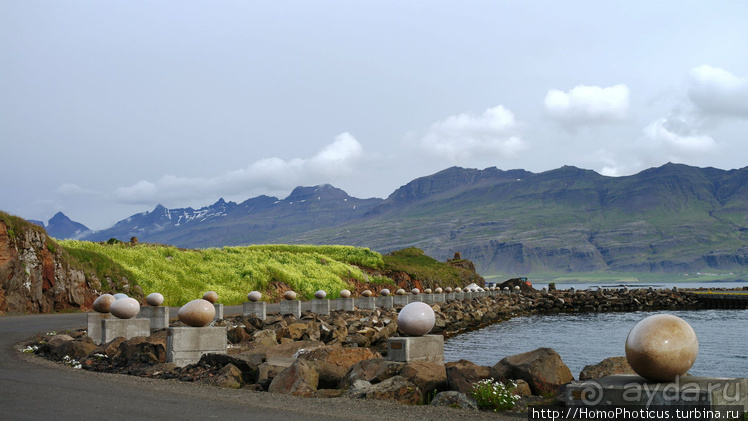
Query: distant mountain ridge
{"x": 667, "y": 219}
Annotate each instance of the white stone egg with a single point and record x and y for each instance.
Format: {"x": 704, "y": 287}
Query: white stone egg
{"x": 320, "y": 295}
{"x": 416, "y": 319}
{"x": 254, "y": 296}
{"x": 415, "y": 291}
{"x": 345, "y": 294}
{"x": 120, "y": 295}
{"x": 384, "y": 292}
{"x": 289, "y": 295}
{"x": 125, "y": 308}
{"x": 154, "y": 299}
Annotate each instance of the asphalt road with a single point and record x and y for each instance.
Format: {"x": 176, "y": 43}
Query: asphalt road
{"x": 32, "y": 388}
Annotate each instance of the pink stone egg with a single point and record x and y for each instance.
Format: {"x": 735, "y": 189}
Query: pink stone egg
{"x": 366, "y": 293}
{"x": 197, "y": 313}
{"x": 254, "y": 296}
{"x": 125, "y": 308}
{"x": 154, "y": 299}
{"x": 345, "y": 294}
{"x": 661, "y": 347}
{"x": 416, "y": 319}
{"x": 400, "y": 291}
{"x": 289, "y": 295}
{"x": 384, "y": 292}
{"x": 211, "y": 296}
{"x": 320, "y": 295}
{"x": 103, "y": 303}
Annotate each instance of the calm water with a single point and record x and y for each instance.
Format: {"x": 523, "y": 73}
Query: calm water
{"x": 583, "y": 339}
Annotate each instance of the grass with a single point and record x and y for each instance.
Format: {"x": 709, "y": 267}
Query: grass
{"x": 431, "y": 272}
{"x": 183, "y": 275}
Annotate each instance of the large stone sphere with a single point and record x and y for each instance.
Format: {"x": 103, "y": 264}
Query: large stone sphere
{"x": 416, "y": 319}
{"x": 120, "y": 295}
{"x": 289, "y": 295}
{"x": 197, "y": 313}
{"x": 154, "y": 299}
{"x": 320, "y": 295}
{"x": 366, "y": 293}
{"x": 384, "y": 292}
{"x": 125, "y": 308}
{"x": 254, "y": 296}
{"x": 102, "y": 304}
{"x": 661, "y": 347}
{"x": 400, "y": 291}
{"x": 345, "y": 293}
{"x": 211, "y": 296}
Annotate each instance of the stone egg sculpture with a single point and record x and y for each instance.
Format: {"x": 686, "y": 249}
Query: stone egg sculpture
{"x": 427, "y": 291}
{"x": 211, "y": 296}
{"x": 384, "y": 292}
{"x": 458, "y": 289}
{"x": 102, "y": 304}
{"x": 438, "y": 290}
{"x": 289, "y": 295}
{"x": 415, "y": 291}
{"x": 416, "y": 319}
{"x": 197, "y": 313}
{"x": 120, "y": 295}
{"x": 506, "y": 288}
{"x": 366, "y": 293}
{"x": 254, "y": 296}
{"x": 448, "y": 290}
{"x": 345, "y": 294}
{"x": 661, "y": 347}
{"x": 154, "y": 299}
{"x": 400, "y": 291}
{"x": 516, "y": 288}
{"x": 125, "y": 308}
{"x": 320, "y": 295}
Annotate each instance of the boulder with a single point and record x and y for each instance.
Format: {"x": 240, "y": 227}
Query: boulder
{"x": 77, "y": 348}
{"x": 268, "y": 370}
{"x": 522, "y": 389}
{"x": 299, "y": 379}
{"x": 428, "y": 376}
{"x": 247, "y": 364}
{"x": 372, "y": 371}
{"x": 461, "y": 375}
{"x": 395, "y": 388}
{"x": 230, "y": 376}
{"x": 455, "y": 399}
{"x": 542, "y": 369}
{"x": 606, "y": 367}
{"x": 332, "y": 363}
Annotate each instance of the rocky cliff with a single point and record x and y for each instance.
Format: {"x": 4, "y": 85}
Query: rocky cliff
{"x": 37, "y": 275}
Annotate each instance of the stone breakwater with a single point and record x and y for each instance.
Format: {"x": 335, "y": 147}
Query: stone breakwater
{"x": 342, "y": 354}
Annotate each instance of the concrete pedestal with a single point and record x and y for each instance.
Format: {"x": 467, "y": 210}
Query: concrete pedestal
{"x": 185, "y": 345}
{"x": 416, "y": 348}
{"x": 439, "y": 298}
{"x": 427, "y": 298}
{"x": 219, "y": 311}
{"x": 415, "y": 298}
{"x": 468, "y": 295}
{"x": 291, "y": 307}
{"x": 94, "y": 325}
{"x": 459, "y": 295}
{"x": 321, "y": 306}
{"x": 400, "y": 300}
{"x": 627, "y": 390}
{"x": 367, "y": 303}
{"x": 124, "y": 328}
{"x": 258, "y": 308}
{"x": 345, "y": 304}
{"x": 448, "y": 296}
{"x": 159, "y": 316}
{"x": 385, "y": 302}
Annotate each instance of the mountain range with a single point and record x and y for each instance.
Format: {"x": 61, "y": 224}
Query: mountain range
{"x": 674, "y": 218}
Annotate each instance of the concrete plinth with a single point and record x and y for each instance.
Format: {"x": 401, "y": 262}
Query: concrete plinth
{"x": 321, "y": 306}
{"x": 386, "y": 302}
{"x": 291, "y": 307}
{"x": 124, "y": 328}
{"x": 345, "y": 304}
{"x": 400, "y": 300}
{"x": 185, "y": 345}
{"x": 416, "y": 348}
{"x": 413, "y": 298}
{"x": 94, "y": 325}
{"x": 449, "y": 296}
{"x": 427, "y": 298}
{"x": 258, "y": 308}
{"x": 439, "y": 297}
{"x": 219, "y": 311}
{"x": 468, "y": 295}
{"x": 459, "y": 295}
{"x": 159, "y": 316}
{"x": 367, "y": 303}
{"x": 685, "y": 392}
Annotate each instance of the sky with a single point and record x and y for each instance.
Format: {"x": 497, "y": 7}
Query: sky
{"x": 110, "y": 107}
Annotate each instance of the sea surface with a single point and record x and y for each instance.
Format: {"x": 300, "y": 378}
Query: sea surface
{"x": 588, "y": 338}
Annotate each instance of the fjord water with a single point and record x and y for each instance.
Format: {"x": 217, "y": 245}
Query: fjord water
{"x": 588, "y": 338}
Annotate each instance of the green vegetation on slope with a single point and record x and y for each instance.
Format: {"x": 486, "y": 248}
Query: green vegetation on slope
{"x": 429, "y": 271}
{"x": 184, "y": 275}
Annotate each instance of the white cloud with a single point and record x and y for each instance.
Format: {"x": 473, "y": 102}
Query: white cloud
{"x": 461, "y": 137}
{"x": 588, "y": 105}
{"x": 70, "y": 189}
{"x": 716, "y": 91}
{"x": 263, "y": 176}
{"x": 678, "y": 138}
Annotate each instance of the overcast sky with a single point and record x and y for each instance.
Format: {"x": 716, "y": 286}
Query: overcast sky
{"x": 110, "y": 107}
